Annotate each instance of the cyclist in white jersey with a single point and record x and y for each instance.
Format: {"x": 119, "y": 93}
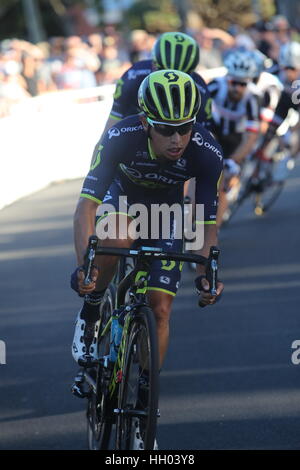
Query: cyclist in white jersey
{"x": 285, "y": 120}
{"x": 236, "y": 117}
{"x": 268, "y": 87}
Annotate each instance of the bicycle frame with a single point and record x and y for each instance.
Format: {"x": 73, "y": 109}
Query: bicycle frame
{"x": 138, "y": 290}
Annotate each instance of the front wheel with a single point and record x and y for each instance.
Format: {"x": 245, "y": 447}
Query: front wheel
{"x": 100, "y": 416}
{"x": 139, "y": 390}
{"x": 265, "y": 200}
{"x": 244, "y": 193}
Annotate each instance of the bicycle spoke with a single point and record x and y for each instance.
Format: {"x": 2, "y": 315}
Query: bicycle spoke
{"x": 138, "y": 396}
{"x": 100, "y": 415}
{"x": 268, "y": 197}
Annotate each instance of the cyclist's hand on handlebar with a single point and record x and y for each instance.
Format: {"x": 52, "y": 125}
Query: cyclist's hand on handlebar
{"x": 202, "y": 288}
{"x": 78, "y": 281}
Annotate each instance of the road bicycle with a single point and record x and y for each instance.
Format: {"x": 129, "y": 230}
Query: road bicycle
{"x": 262, "y": 181}
{"x": 122, "y": 407}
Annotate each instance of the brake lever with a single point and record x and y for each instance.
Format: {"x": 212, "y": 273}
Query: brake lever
{"x": 212, "y": 269}
{"x": 211, "y": 272}
{"x": 89, "y": 258}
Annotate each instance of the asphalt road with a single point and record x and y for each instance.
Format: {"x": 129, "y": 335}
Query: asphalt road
{"x": 228, "y": 380}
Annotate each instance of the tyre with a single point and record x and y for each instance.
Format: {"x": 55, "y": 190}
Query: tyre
{"x": 265, "y": 200}
{"x": 244, "y": 193}
{"x": 138, "y": 403}
{"x": 100, "y": 417}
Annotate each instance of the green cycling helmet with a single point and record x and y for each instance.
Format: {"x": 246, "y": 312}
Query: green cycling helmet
{"x": 177, "y": 51}
{"x": 169, "y": 95}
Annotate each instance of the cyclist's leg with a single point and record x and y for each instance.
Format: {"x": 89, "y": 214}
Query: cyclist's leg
{"x": 88, "y": 317}
{"x": 107, "y": 264}
{"x": 163, "y": 284}
{"x": 161, "y": 305}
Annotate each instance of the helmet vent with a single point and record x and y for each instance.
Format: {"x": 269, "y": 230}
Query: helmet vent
{"x": 188, "y": 98}
{"x": 162, "y": 98}
{"x": 167, "y": 56}
{"x": 175, "y": 93}
{"x": 188, "y": 55}
{"x": 150, "y": 103}
{"x": 178, "y": 57}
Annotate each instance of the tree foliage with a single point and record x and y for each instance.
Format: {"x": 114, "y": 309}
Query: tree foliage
{"x": 164, "y": 15}
{"x": 155, "y": 17}
{"x": 220, "y": 13}
{"x": 52, "y": 12}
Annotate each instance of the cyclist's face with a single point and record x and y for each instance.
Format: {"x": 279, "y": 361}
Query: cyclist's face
{"x": 291, "y": 74}
{"x": 236, "y": 88}
{"x": 170, "y": 147}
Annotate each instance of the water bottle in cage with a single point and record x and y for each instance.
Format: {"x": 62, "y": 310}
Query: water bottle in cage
{"x": 117, "y": 324}
{"x": 115, "y": 336}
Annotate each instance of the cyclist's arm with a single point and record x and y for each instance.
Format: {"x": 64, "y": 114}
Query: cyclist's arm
{"x": 208, "y": 175}
{"x": 84, "y": 226}
{"x": 106, "y": 157}
{"x": 284, "y": 105}
{"x": 252, "y": 128}
{"x": 216, "y": 33}
{"x": 269, "y": 102}
{"x": 210, "y": 239}
{"x": 201, "y": 282}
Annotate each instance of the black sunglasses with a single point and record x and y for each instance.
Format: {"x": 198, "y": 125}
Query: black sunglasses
{"x": 169, "y": 129}
{"x": 289, "y": 67}
{"x": 238, "y": 83}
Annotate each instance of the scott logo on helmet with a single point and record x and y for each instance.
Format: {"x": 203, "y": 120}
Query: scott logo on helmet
{"x": 171, "y": 76}
{"x": 179, "y": 38}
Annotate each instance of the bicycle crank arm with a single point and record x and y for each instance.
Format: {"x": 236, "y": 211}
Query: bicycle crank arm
{"x": 90, "y": 381}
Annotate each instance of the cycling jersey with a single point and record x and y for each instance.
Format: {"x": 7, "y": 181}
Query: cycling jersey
{"x": 163, "y": 276}
{"x": 125, "y": 97}
{"x": 125, "y": 153}
{"x": 268, "y": 88}
{"x": 232, "y": 119}
{"x": 124, "y": 165}
{"x": 289, "y": 99}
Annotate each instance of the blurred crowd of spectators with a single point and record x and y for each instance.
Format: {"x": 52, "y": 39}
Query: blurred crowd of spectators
{"x": 71, "y": 63}
{"x": 28, "y": 70}
{"x": 267, "y": 36}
